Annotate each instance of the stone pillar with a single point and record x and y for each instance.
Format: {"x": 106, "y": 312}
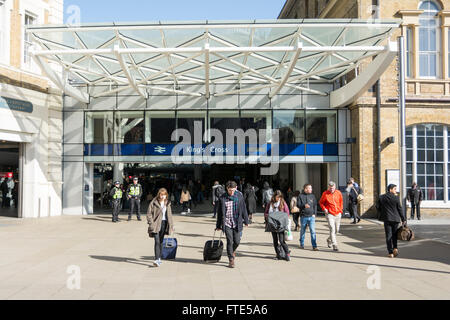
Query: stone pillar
{"x": 88, "y": 189}
{"x": 301, "y": 175}
{"x": 118, "y": 172}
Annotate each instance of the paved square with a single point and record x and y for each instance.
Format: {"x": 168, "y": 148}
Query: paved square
{"x": 115, "y": 262}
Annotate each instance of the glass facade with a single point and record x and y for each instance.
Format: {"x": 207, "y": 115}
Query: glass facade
{"x": 427, "y": 160}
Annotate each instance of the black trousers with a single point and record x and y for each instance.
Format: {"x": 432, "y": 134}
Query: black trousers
{"x": 233, "y": 240}
{"x": 159, "y": 238}
{"x": 296, "y": 217}
{"x": 390, "y": 229}
{"x": 354, "y": 211}
{"x": 135, "y": 203}
{"x": 279, "y": 239}
{"x": 4, "y": 204}
{"x": 216, "y": 207}
{"x": 116, "y": 209}
{"x": 415, "y": 207}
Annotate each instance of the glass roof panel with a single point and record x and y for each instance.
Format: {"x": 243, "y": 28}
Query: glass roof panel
{"x": 95, "y": 39}
{"x": 324, "y": 36}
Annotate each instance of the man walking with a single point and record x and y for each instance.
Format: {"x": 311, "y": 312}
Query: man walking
{"x": 307, "y": 203}
{"x": 332, "y": 204}
{"x": 231, "y": 217}
{"x": 116, "y": 195}
{"x": 134, "y": 193}
{"x": 414, "y": 196}
{"x": 354, "y": 192}
{"x": 217, "y": 191}
{"x": 391, "y": 213}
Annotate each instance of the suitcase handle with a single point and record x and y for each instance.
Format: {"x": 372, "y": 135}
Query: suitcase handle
{"x": 214, "y": 236}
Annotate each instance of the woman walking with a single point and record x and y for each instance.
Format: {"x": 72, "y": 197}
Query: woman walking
{"x": 160, "y": 222}
{"x": 295, "y": 210}
{"x": 278, "y": 204}
{"x": 250, "y": 200}
{"x": 185, "y": 200}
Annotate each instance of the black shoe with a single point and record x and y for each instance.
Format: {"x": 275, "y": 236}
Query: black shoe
{"x": 288, "y": 257}
{"x": 359, "y": 220}
{"x": 354, "y": 222}
{"x": 139, "y": 219}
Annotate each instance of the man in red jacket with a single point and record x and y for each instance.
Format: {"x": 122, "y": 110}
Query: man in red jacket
{"x": 332, "y": 204}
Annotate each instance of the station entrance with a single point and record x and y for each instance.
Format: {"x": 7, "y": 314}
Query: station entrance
{"x": 9, "y": 179}
{"x": 199, "y": 179}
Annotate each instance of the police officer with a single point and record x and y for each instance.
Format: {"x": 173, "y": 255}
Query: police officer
{"x": 134, "y": 193}
{"x": 116, "y": 195}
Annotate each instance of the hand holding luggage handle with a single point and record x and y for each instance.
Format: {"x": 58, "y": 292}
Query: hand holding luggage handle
{"x": 214, "y": 236}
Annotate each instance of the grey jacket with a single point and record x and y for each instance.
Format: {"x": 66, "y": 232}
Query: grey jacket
{"x": 278, "y": 218}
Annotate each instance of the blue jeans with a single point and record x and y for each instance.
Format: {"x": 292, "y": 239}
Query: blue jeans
{"x": 305, "y": 221}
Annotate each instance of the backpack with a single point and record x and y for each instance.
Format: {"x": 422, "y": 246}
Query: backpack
{"x": 219, "y": 191}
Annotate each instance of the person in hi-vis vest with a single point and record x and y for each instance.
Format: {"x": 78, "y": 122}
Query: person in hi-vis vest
{"x": 116, "y": 195}
{"x": 134, "y": 193}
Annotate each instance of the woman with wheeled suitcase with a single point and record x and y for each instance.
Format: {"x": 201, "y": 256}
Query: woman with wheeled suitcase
{"x": 160, "y": 221}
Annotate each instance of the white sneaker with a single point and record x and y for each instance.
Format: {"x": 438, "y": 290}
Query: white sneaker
{"x": 189, "y": 211}
{"x": 157, "y": 263}
{"x": 183, "y": 213}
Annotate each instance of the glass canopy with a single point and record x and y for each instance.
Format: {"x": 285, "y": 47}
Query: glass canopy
{"x": 250, "y": 54}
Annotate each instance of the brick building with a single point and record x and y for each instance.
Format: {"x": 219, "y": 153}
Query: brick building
{"x": 425, "y": 26}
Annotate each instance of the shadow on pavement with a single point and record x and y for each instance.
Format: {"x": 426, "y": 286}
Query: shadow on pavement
{"x": 372, "y": 239}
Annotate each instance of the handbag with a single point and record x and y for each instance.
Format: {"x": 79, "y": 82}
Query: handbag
{"x": 359, "y": 197}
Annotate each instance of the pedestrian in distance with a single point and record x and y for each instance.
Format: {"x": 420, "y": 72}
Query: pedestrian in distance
{"x": 231, "y": 217}
{"x": 278, "y": 205}
{"x": 332, "y": 204}
{"x": 160, "y": 222}
{"x": 217, "y": 191}
{"x": 295, "y": 210}
{"x": 267, "y": 194}
{"x": 250, "y": 200}
{"x": 116, "y": 194}
{"x": 185, "y": 201}
{"x": 307, "y": 205}
{"x": 354, "y": 192}
{"x": 415, "y": 196}
{"x": 391, "y": 213}
{"x": 134, "y": 193}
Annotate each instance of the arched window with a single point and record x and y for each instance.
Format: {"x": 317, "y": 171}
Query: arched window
{"x": 427, "y": 161}
{"x": 429, "y": 43}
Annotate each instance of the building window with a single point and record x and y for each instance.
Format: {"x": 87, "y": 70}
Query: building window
{"x": 29, "y": 20}
{"x": 159, "y": 126}
{"x": 223, "y": 120}
{"x": 129, "y": 127}
{"x": 99, "y": 127}
{"x": 425, "y": 160}
{"x": 429, "y": 36}
{"x": 186, "y": 120}
{"x": 321, "y": 126}
{"x": 291, "y": 125}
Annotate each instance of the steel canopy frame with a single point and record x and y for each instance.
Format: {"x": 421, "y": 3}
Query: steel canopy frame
{"x": 291, "y": 54}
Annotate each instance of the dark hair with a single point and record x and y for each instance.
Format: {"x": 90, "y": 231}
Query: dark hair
{"x": 306, "y": 185}
{"x": 391, "y": 186}
{"x": 276, "y": 194}
{"x": 297, "y": 193}
{"x": 231, "y": 184}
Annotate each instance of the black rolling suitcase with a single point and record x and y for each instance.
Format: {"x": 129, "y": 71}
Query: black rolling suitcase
{"x": 213, "y": 249}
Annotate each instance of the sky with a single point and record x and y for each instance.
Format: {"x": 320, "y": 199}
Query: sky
{"x": 170, "y": 10}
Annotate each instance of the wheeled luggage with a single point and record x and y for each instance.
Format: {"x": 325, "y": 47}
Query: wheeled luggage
{"x": 169, "y": 249}
{"x": 212, "y": 252}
